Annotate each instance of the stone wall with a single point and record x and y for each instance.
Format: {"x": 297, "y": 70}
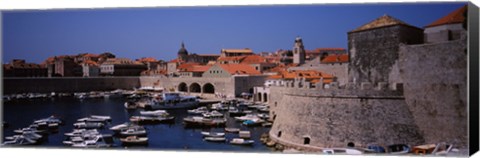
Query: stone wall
{"x": 373, "y": 53}
{"x": 435, "y": 77}
{"x": 67, "y": 84}
{"x": 339, "y": 70}
{"x": 335, "y": 117}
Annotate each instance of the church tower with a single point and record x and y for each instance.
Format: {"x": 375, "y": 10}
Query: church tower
{"x": 298, "y": 52}
{"x": 182, "y": 53}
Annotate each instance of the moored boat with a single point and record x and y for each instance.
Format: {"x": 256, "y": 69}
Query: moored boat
{"x": 232, "y": 130}
{"x": 201, "y": 121}
{"x": 213, "y": 134}
{"x": 134, "y": 131}
{"x": 215, "y": 139}
{"x": 134, "y": 140}
{"x": 240, "y": 141}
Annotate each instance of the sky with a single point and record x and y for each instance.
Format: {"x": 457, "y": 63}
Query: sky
{"x": 35, "y": 35}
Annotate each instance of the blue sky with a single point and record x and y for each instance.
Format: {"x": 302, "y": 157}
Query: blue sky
{"x": 35, "y": 35}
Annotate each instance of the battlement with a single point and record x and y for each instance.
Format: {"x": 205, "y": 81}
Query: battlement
{"x": 365, "y": 89}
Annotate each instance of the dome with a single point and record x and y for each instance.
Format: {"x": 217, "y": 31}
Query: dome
{"x": 182, "y": 51}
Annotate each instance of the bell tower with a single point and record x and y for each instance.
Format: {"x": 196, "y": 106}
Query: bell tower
{"x": 298, "y": 51}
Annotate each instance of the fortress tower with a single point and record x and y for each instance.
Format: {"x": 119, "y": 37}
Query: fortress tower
{"x": 298, "y": 51}
{"x": 373, "y": 49}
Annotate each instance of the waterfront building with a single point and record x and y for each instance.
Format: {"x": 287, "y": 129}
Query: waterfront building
{"x": 65, "y": 66}
{"x": 323, "y": 52}
{"x": 90, "y": 68}
{"x": 19, "y": 68}
{"x": 298, "y": 51}
{"x": 192, "y": 69}
{"x": 228, "y": 70}
{"x": 235, "y": 52}
{"x": 121, "y": 67}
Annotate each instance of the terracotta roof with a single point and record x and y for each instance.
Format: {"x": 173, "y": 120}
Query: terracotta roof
{"x": 246, "y": 50}
{"x": 239, "y": 69}
{"x": 452, "y": 18}
{"x": 335, "y": 58}
{"x": 233, "y": 58}
{"x": 320, "y": 50}
{"x": 90, "y": 63}
{"x": 120, "y": 61}
{"x": 175, "y": 60}
{"x": 148, "y": 59}
{"x": 382, "y": 21}
{"x": 199, "y": 68}
{"x": 253, "y": 59}
{"x": 186, "y": 66}
{"x": 309, "y": 75}
{"x": 90, "y": 55}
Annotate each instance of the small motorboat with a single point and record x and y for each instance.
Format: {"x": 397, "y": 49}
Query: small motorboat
{"x": 106, "y": 118}
{"x": 88, "y": 125}
{"x": 232, "y": 130}
{"x": 118, "y": 128}
{"x": 341, "y": 151}
{"x": 398, "y": 149}
{"x": 154, "y": 113}
{"x": 253, "y": 122}
{"x": 134, "y": 140}
{"x": 130, "y": 105}
{"x": 244, "y": 134}
{"x": 240, "y": 141}
{"x": 212, "y": 114}
{"x": 213, "y": 134}
{"x": 215, "y": 139}
{"x": 134, "y": 131}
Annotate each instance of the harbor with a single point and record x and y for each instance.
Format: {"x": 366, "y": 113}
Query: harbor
{"x": 171, "y": 135}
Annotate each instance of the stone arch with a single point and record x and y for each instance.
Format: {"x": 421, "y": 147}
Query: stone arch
{"x": 259, "y": 96}
{"x": 182, "y": 87}
{"x": 306, "y": 140}
{"x": 195, "y": 88}
{"x": 208, "y": 88}
{"x": 265, "y": 98}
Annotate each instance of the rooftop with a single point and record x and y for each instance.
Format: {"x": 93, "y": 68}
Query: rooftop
{"x": 457, "y": 16}
{"x": 382, "y": 21}
{"x": 239, "y": 69}
{"x": 246, "y": 50}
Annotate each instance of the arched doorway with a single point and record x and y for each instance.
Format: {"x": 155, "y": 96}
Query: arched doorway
{"x": 306, "y": 140}
{"x": 265, "y": 99}
{"x": 208, "y": 88}
{"x": 259, "y": 96}
{"x": 182, "y": 87}
{"x": 195, "y": 88}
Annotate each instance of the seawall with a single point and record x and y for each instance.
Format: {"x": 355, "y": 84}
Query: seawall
{"x": 66, "y": 84}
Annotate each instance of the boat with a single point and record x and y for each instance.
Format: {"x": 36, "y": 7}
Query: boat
{"x": 154, "y": 113}
{"x": 267, "y": 124}
{"x": 201, "y": 121}
{"x": 246, "y": 117}
{"x": 29, "y": 129}
{"x": 88, "y": 125}
{"x": 173, "y": 100}
{"x": 236, "y": 112}
{"x": 213, "y": 134}
{"x": 376, "y": 148}
{"x": 134, "y": 140}
{"x": 20, "y": 141}
{"x": 198, "y": 111}
{"x": 152, "y": 119}
{"x": 219, "y": 107}
{"x": 119, "y": 127}
{"x": 106, "y": 118}
{"x": 134, "y": 131}
{"x": 130, "y": 105}
{"x": 244, "y": 134}
{"x": 442, "y": 149}
{"x": 263, "y": 116}
{"x": 97, "y": 142}
{"x": 240, "y": 141}
{"x": 82, "y": 132}
{"x": 232, "y": 130}
{"x": 341, "y": 151}
{"x": 253, "y": 122}
{"x": 48, "y": 120}
{"x": 215, "y": 139}
{"x": 398, "y": 149}
{"x": 212, "y": 114}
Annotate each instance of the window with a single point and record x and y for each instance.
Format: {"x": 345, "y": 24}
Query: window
{"x": 306, "y": 140}
{"x": 279, "y": 134}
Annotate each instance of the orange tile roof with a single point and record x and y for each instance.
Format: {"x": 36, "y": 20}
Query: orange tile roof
{"x": 382, "y": 21}
{"x": 253, "y": 59}
{"x": 336, "y": 58}
{"x": 147, "y": 59}
{"x": 90, "y": 55}
{"x": 319, "y": 50}
{"x": 246, "y": 50}
{"x": 452, "y": 18}
{"x": 90, "y": 63}
{"x": 309, "y": 75}
{"x": 199, "y": 68}
{"x": 239, "y": 69}
{"x": 176, "y": 60}
{"x": 186, "y": 66}
{"x": 233, "y": 58}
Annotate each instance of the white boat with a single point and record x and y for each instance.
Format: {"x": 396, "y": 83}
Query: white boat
{"x": 213, "y": 134}
{"x": 232, "y": 130}
{"x": 88, "y": 125}
{"x": 240, "y": 141}
{"x": 107, "y": 118}
{"x": 212, "y": 114}
{"x": 81, "y": 132}
{"x": 97, "y": 142}
{"x": 120, "y": 126}
{"x": 215, "y": 139}
{"x": 263, "y": 116}
{"x": 130, "y": 105}
{"x": 199, "y": 110}
{"x": 244, "y": 134}
{"x": 134, "y": 140}
{"x": 48, "y": 120}
{"x": 154, "y": 113}
{"x": 173, "y": 100}
{"x": 342, "y": 151}
{"x": 134, "y": 131}
{"x": 246, "y": 117}
{"x": 91, "y": 119}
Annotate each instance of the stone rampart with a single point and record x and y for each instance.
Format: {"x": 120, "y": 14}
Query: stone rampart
{"x": 435, "y": 86}
{"x": 334, "y": 117}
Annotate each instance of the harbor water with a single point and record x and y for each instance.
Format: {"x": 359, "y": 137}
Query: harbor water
{"x": 174, "y": 136}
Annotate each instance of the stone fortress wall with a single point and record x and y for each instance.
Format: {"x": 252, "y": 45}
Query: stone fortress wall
{"x": 334, "y": 117}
